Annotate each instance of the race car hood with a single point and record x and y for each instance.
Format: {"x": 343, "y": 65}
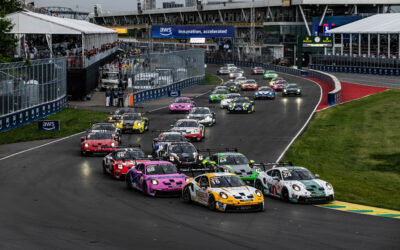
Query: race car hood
{"x": 315, "y": 186}
{"x": 185, "y": 129}
{"x": 130, "y": 122}
{"x": 181, "y": 105}
{"x": 185, "y": 156}
{"x": 166, "y": 177}
{"x": 239, "y": 193}
{"x": 241, "y": 170}
{"x": 106, "y": 142}
{"x": 264, "y": 92}
{"x": 198, "y": 116}
{"x": 239, "y": 104}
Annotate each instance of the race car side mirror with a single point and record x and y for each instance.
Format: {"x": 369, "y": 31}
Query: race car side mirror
{"x": 251, "y": 162}
{"x": 149, "y": 156}
{"x": 317, "y": 176}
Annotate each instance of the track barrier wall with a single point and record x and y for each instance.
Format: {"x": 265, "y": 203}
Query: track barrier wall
{"x": 357, "y": 70}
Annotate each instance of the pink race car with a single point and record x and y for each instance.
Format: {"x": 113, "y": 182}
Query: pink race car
{"x": 279, "y": 85}
{"x": 156, "y": 178}
{"x": 184, "y": 104}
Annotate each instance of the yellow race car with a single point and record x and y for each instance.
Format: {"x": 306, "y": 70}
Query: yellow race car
{"x": 132, "y": 122}
{"x": 223, "y": 192}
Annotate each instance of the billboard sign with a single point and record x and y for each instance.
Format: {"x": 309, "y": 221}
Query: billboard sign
{"x": 49, "y": 125}
{"x": 188, "y": 31}
{"x": 317, "y": 41}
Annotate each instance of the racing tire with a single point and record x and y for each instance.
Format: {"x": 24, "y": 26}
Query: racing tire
{"x": 83, "y": 153}
{"x": 146, "y": 126}
{"x": 258, "y": 185}
{"x": 187, "y": 197}
{"x": 212, "y": 205}
{"x": 144, "y": 189}
{"x": 285, "y": 195}
{"x": 104, "y": 169}
{"x": 128, "y": 182}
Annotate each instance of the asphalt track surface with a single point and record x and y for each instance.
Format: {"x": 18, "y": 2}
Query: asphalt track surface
{"x": 53, "y": 198}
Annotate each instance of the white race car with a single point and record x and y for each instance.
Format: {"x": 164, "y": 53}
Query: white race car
{"x": 228, "y": 98}
{"x": 222, "y": 192}
{"x": 192, "y": 129}
{"x": 295, "y": 184}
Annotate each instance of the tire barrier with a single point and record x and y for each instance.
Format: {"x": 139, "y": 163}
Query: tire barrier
{"x": 357, "y": 70}
{"x": 31, "y": 114}
{"x": 151, "y": 94}
{"x": 334, "y": 97}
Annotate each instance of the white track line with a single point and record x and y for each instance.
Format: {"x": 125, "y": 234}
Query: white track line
{"x": 305, "y": 124}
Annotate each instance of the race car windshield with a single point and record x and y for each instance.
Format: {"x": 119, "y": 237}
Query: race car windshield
{"x": 161, "y": 169}
{"x": 99, "y": 136}
{"x": 250, "y": 82}
{"x": 233, "y": 160}
{"x": 103, "y": 127}
{"x": 231, "y": 96}
{"x": 292, "y": 86}
{"x": 182, "y": 101}
{"x": 185, "y": 148}
{"x": 173, "y": 137}
{"x": 186, "y": 124}
{"x": 221, "y": 91}
{"x": 129, "y": 155}
{"x": 226, "y": 181}
{"x": 122, "y": 111}
{"x": 241, "y": 99}
{"x": 224, "y": 68}
{"x": 132, "y": 117}
{"x": 297, "y": 174}
{"x": 112, "y": 76}
{"x": 200, "y": 111}
{"x": 264, "y": 89}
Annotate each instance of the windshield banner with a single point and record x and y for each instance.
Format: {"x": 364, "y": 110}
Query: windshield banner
{"x": 188, "y": 31}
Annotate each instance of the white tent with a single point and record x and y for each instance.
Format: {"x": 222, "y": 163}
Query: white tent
{"x": 376, "y": 24}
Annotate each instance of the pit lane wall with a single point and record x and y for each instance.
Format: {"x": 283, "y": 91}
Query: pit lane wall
{"x": 334, "y": 96}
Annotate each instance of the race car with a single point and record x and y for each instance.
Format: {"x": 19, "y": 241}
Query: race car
{"x": 180, "y": 104}
{"x": 220, "y": 87}
{"x": 203, "y": 115}
{"x": 133, "y": 122}
{"x": 191, "y": 128}
{"x": 279, "y": 85}
{"x": 228, "y": 98}
{"x": 156, "y": 178}
{"x": 250, "y": 84}
{"x": 270, "y": 74}
{"x": 99, "y": 142}
{"x": 121, "y": 160}
{"x": 104, "y": 126}
{"x": 223, "y": 71}
{"x": 117, "y": 114}
{"x": 275, "y": 79}
{"x": 230, "y": 66}
{"x": 240, "y": 80}
{"x": 295, "y": 184}
{"x": 291, "y": 89}
{"x": 257, "y": 71}
{"x": 264, "y": 93}
{"x": 223, "y": 192}
{"x": 183, "y": 154}
{"x": 217, "y": 95}
{"x": 231, "y": 86}
{"x": 235, "y": 163}
{"x": 236, "y": 73}
{"x": 240, "y": 104}
{"x": 165, "y": 138}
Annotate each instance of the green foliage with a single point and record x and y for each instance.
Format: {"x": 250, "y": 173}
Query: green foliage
{"x": 355, "y": 146}
{"x": 212, "y": 80}
{"x": 7, "y": 42}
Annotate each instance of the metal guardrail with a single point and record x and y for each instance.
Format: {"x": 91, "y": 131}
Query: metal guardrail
{"x": 334, "y": 97}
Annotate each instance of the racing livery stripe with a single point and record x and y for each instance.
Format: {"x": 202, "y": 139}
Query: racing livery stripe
{"x": 362, "y": 209}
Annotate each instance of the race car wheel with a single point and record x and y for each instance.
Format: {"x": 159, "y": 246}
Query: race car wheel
{"x": 187, "y": 197}
{"x": 146, "y": 126}
{"x": 285, "y": 195}
{"x": 128, "y": 182}
{"x": 258, "y": 185}
{"x": 104, "y": 169}
{"x": 144, "y": 189}
{"x": 211, "y": 203}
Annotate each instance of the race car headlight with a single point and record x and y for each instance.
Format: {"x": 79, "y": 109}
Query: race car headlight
{"x": 171, "y": 158}
{"x": 188, "y": 117}
{"x": 298, "y": 90}
{"x": 208, "y": 118}
{"x": 226, "y": 170}
{"x": 258, "y": 170}
{"x": 329, "y": 186}
{"x": 139, "y": 124}
{"x": 86, "y": 145}
{"x": 120, "y": 166}
{"x": 112, "y": 144}
{"x": 284, "y": 90}
{"x": 296, "y": 187}
{"x": 110, "y": 118}
{"x": 154, "y": 182}
{"x": 258, "y": 193}
{"x": 171, "y": 106}
{"x": 201, "y": 157}
{"x": 223, "y": 195}
{"x": 186, "y": 179}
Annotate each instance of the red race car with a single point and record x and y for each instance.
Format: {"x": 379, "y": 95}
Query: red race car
{"x": 118, "y": 163}
{"x": 250, "y": 84}
{"x": 98, "y": 142}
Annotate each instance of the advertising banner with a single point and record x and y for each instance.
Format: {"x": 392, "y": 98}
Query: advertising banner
{"x": 201, "y": 31}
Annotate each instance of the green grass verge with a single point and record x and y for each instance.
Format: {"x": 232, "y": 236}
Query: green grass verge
{"x": 72, "y": 121}
{"x": 356, "y": 147}
{"x": 211, "y": 79}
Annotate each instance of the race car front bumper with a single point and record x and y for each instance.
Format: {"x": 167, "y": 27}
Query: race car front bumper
{"x": 194, "y": 137}
{"x": 264, "y": 96}
{"x": 241, "y": 206}
{"x": 99, "y": 150}
{"x": 313, "y": 200}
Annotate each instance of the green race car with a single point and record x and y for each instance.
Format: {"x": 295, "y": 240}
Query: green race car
{"x": 235, "y": 163}
{"x": 270, "y": 74}
{"x": 217, "y": 95}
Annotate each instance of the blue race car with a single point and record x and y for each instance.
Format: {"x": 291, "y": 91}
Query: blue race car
{"x": 264, "y": 93}
{"x": 241, "y": 104}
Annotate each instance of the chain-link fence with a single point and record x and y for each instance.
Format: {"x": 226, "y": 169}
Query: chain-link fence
{"x": 154, "y": 70}
{"x": 368, "y": 62}
{"x": 23, "y": 85}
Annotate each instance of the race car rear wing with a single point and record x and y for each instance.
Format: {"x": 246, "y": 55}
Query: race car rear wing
{"x": 197, "y": 170}
{"x": 217, "y": 150}
{"x": 273, "y": 164}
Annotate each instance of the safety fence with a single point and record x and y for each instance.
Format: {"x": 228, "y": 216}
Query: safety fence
{"x": 334, "y": 97}
{"x": 357, "y": 70}
{"x": 31, "y": 91}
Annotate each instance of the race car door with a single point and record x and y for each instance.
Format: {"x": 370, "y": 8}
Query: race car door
{"x": 276, "y": 182}
{"x": 201, "y": 190}
{"x": 137, "y": 179}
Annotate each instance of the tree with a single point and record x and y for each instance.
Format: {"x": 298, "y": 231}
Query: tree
{"x": 7, "y": 41}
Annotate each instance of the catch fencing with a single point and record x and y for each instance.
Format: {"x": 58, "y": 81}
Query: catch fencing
{"x": 31, "y": 91}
